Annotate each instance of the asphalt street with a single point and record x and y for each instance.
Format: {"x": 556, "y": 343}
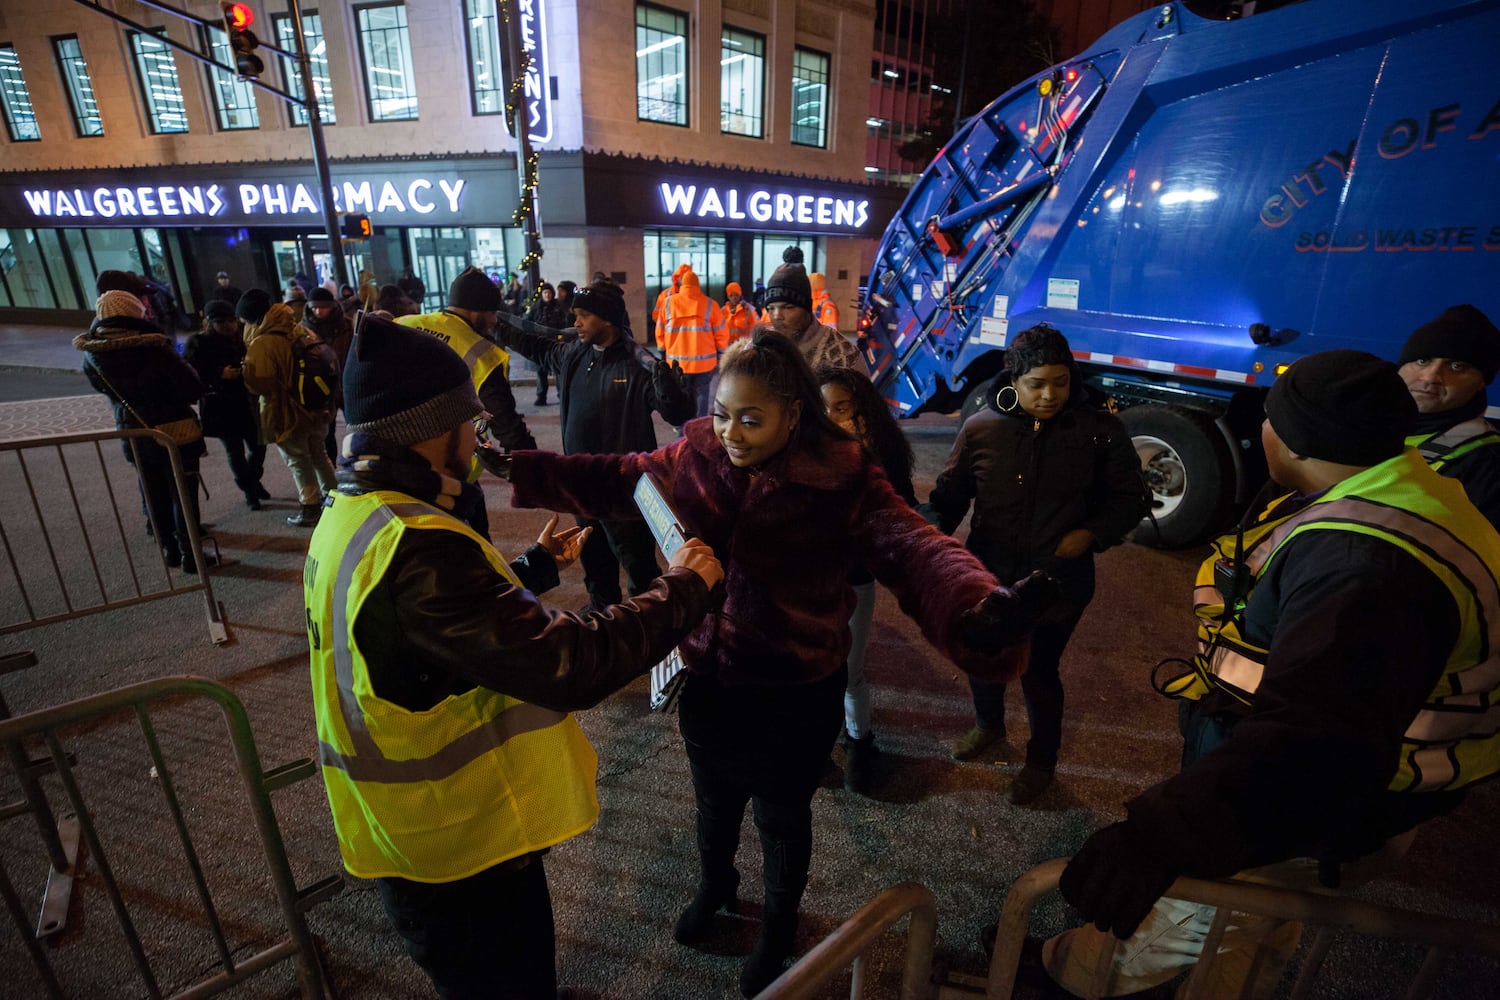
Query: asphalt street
{"x": 617, "y": 888}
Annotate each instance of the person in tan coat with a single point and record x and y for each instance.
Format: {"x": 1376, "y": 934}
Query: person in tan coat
{"x": 297, "y": 433}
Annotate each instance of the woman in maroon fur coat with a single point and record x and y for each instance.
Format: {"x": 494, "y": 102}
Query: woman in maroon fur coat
{"x": 789, "y": 503}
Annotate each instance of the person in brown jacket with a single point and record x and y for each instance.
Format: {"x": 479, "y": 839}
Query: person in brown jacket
{"x": 297, "y": 433}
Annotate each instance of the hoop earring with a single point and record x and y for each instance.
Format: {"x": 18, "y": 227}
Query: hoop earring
{"x": 1007, "y": 404}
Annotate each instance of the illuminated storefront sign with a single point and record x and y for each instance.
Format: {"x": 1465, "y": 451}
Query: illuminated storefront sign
{"x": 419, "y": 196}
{"x": 767, "y": 206}
{"x": 536, "y": 91}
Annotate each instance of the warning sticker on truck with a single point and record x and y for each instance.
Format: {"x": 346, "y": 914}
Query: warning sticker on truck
{"x": 1062, "y": 293}
{"x": 993, "y": 330}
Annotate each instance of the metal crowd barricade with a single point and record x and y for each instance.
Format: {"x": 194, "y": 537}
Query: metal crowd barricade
{"x": 36, "y": 536}
{"x": 1328, "y": 913}
{"x": 297, "y": 944}
{"x": 851, "y": 939}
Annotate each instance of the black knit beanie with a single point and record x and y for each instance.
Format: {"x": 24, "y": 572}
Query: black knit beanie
{"x": 253, "y": 305}
{"x": 606, "y": 300}
{"x": 320, "y": 294}
{"x": 218, "y": 310}
{"x": 1461, "y": 333}
{"x": 118, "y": 281}
{"x": 474, "y": 290}
{"x": 404, "y": 385}
{"x": 1347, "y": 407}
{"x": 789, "y": 284}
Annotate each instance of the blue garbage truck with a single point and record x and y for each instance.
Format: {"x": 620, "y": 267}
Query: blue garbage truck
{"x": 1196, "y": 203}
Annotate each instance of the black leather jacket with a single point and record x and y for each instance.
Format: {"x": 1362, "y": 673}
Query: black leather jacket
{"x": 442, "y": 621}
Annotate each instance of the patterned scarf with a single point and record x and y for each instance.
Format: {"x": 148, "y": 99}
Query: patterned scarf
{"x": 370, "y": 463}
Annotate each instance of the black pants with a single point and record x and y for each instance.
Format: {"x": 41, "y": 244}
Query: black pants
{"x": 247, "y": 461}
{"x": 153, "y": 465}
{"x": 487, "y": 937}
{"x": 765, "y": 746}
{"x": 1041, "y": 684}
{"x": 613, "y": 544}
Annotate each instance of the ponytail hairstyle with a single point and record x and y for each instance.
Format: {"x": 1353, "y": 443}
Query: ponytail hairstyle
{"x": 777, "y": 363}
{"x": 884, "y": 440}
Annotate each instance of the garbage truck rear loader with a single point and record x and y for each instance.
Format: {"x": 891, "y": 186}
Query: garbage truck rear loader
{"x": 1196, "y": 204}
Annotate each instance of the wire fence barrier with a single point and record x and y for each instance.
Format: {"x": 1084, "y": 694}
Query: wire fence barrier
{"x": 64, "y": 506}
{"x": 124, "y": 884}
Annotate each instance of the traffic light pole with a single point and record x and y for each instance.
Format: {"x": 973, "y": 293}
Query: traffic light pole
{"x": 309, "y": 102}
{"x": 319, "y": 151}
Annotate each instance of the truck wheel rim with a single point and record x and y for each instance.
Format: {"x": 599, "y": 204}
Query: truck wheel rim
{"x": 1165, "y": 473}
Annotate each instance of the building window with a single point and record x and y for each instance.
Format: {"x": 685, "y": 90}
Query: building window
{"x": 661, "y": 65}
{"x": 483, "y": 33}
{"x": 317, "y": 57}
{"x": 742, "y": 82}
{"x": 157, "y": 71}
{"x": 15, "y": 98}
{"x": 809, "y": 98}
{"x": 234, "y": 99}
{"x": 385, "y": 52}
{"x": 78, "y": 85}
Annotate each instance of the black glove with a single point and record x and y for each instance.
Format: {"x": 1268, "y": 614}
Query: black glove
{"x": 1008, "y": 614}
{"x": 668, "y": 378}
{"x": 1114, "y": 879}
{"x": 495, "y": 460}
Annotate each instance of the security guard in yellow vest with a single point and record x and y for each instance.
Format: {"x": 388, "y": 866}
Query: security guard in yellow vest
{"x": 442, "y": 687}
{"x": 1347, "y": 666}
{"x": 465, "y": 325}
{"x": 1447, "y": 363}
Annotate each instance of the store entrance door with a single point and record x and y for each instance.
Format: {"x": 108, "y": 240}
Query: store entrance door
{"x": 307, "y": 258}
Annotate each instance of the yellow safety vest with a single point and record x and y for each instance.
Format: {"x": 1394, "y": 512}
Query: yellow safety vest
{"x": 481, "y": 355}
{"x": 1453, "y": 740}
{"x": 441, "y": 794}
{"x": 1455, "y": 442}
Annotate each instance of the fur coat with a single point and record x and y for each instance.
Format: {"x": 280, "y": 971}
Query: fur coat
{"x": 787, "y": 538}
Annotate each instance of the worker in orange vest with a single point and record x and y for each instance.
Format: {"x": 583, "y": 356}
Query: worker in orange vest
{"x": 659, "y": 312}
{"x": 823, "y": 310}
{"x": 740, "y": 316}
{"x": 695, "y": 336}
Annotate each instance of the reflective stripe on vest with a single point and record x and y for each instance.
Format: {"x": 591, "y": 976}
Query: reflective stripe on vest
{"x": 1455, "y": 738}
{"x": 443, "y": 793}
{"x": 1455, "y": 442}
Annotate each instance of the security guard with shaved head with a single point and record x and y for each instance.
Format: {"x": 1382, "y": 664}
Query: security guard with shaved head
{"x": 443, "y": 689}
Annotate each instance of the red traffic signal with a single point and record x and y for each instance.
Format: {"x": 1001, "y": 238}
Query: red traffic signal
{"x": 237, "y": 16}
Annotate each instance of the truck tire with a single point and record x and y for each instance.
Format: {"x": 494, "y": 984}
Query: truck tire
{"x": 1189, "y": 469}
{"x": 975, "y": 400}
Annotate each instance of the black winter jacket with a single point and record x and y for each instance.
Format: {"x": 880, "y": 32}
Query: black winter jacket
{"x": 442, "y": 621}
{"x": 132, "y": 362}
{"x": 227, "y": 409}
{"x": 1032, "y": 481}
{"x": 606, "y": 397}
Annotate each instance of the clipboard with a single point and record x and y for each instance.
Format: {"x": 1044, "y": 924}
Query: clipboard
{"x": 667, "y": 677}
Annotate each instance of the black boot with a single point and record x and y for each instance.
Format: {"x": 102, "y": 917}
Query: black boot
{"x": 860, "y": 756}
{"x": 773, "y": 949}
{"x": 696, "y": 923}
{"x": 718, "y": 839}
{"x": 786, "y": 853}
{"x": 307, "y": 517}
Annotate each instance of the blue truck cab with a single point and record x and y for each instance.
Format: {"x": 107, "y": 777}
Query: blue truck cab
{"x": 1196, "y": 204}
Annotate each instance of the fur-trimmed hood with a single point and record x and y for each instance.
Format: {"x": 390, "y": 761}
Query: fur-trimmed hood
{"x": 119, "y": 333}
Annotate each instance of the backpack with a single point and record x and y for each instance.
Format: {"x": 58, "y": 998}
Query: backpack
{"x": 315, "y": 372}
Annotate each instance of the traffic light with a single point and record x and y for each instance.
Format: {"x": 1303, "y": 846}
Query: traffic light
{"x": 355, "y": 227}
{"x": 242, "y": 41}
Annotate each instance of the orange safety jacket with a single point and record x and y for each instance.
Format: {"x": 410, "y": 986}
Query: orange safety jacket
{"x": 824, "y": 310}
{"x": 695, "y": 329}
{"x": 740, "y": 320}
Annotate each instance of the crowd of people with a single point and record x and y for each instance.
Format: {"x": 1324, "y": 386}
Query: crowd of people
{"x": 1339, "y": 699}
